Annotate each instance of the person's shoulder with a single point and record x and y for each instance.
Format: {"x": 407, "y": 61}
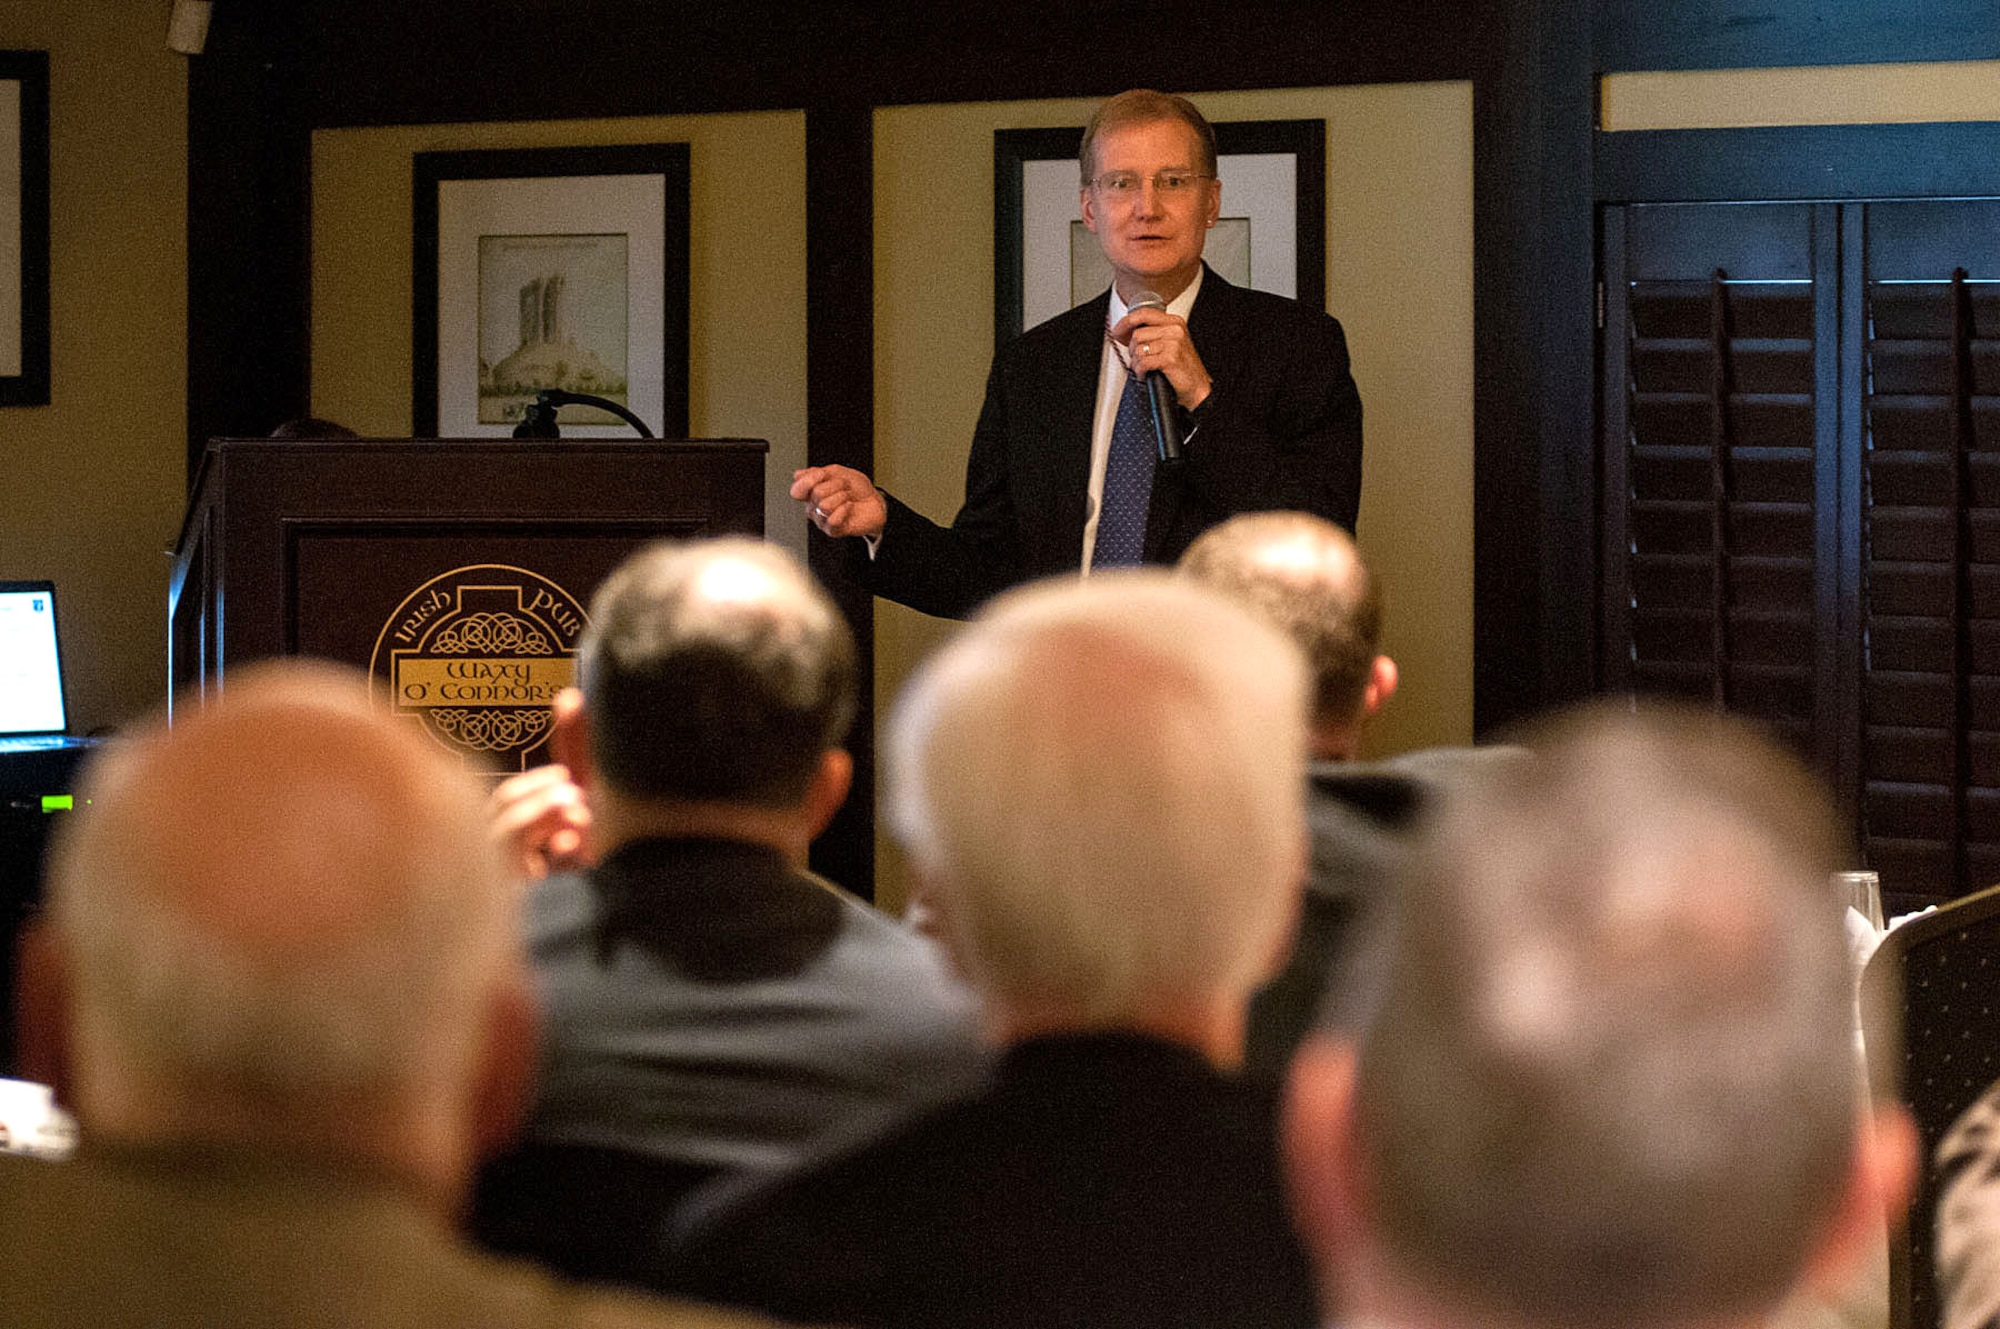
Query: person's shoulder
{"x": 1264, "y": 307}
{"x": 493, "y": 1291}
{"x": 816, "y": 1241}
{"x": 893, "y": 1158}
{"x": 558, "y": 908}
{"x": 1451, "y": 764}
{"x": 1082, "y": 322}
{"x": 886, "y": 956}
{"x": 1393, "y": 790}
{"x": 27, "y": 1182}
{"x": 606, "y": 1309}
{"x": 872, "y": 936}
{"x": 1423, "y": 766}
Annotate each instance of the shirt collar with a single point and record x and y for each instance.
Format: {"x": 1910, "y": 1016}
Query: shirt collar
{"x": 1178, "y": 306}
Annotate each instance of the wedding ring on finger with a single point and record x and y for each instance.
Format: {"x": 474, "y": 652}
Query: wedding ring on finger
{"x": 1145, "y": 348}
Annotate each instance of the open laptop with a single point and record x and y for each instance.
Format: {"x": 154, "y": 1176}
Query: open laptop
{"x": 38, "y": 763}
{"x": 33, "y": 713}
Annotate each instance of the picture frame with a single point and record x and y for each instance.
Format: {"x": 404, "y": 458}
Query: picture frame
{"x": 24, "y": 228}
{"x": 1272, "y": 233}
{"x": 550, "y": 267}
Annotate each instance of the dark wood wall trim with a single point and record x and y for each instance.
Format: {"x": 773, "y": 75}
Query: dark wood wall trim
{"x": 1736, "y": 34}
{"x": 1534, "y": 482}
{"x": 840, "y": 419}
{"x": 391, "y": 62}
{"x": 1800, "y": 162}
{"x": 249, "y": 223}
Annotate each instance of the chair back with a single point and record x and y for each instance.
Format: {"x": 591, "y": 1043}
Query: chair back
{"x": 1930, "y": 1012}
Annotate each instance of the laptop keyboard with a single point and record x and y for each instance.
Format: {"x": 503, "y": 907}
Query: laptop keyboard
{"x": 39, "y": 743}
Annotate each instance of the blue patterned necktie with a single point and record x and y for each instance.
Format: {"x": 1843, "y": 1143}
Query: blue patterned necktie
{"x": 1128, "y": 482}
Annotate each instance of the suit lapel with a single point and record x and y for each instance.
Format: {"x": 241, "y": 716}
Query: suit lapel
{"x": 1072, "y": 404}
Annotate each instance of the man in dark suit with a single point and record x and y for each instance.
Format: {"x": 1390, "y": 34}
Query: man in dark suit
{"x": 1115, "y": 880}
{"x": 1063, "y": 475}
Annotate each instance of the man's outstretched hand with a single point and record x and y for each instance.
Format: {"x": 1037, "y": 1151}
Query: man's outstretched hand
{"x": 840, "y": 500}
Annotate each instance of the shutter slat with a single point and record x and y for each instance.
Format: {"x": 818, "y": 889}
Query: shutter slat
{"x": 1719, "y": 493}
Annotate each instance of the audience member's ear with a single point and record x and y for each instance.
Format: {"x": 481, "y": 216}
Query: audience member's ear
{"x": 569, "y": 737}
{"x": 1322, "y": 1164}
{"x": 508, "y": 1060}
{"x": 1881, "y": 1179}
{"x": 831, "y": 781}
{"x": 1382, "y": 679}
{"x": 42, "y": 1009}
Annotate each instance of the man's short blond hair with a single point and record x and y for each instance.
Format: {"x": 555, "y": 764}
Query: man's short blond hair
{"x": 1101, "y": 783}
{"x": 1144, "y": 106}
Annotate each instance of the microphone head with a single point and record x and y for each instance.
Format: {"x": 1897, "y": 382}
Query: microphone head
{"x": 1146, "y": 300}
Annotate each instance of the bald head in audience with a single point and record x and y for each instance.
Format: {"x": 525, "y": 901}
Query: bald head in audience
{"x": 1613, "y": 1079}
{"x": 282, "y": 923}
{"x": 280, "y": 984}
{"x": 1098, "y": 786}
{"x": 1306, "y": 577}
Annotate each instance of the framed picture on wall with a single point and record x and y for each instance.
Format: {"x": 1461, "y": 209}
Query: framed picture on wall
{"x": 550, "y": 268}
{"x": 1271, "y": 234}
{"x": 24, "y": 228}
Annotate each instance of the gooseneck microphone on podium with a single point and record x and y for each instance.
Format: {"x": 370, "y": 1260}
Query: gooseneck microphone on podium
{"x": 540, "y": 419}
{"x": 1166, "y": 407}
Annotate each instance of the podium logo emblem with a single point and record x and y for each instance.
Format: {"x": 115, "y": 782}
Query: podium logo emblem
{"x": 476, "y": 655}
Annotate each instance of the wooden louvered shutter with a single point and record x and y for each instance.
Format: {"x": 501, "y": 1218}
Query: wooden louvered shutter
{"x": 1930, "y": 751}
{"x": 1714, "y": 329}
{"x": 1801, "y": 500}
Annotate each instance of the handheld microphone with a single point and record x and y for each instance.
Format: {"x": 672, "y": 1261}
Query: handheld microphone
{"x": 1166, "y": 409}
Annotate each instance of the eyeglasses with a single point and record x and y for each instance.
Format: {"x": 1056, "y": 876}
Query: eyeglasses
{"x": 1168, "y": 184}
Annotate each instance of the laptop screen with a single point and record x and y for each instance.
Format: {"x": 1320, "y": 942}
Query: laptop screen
{"x": 31, "y": 693}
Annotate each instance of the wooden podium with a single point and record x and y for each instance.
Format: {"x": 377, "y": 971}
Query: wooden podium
{"x": 457, "y": 572}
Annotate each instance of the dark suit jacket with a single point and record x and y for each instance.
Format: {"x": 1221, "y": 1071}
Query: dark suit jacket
{"x": 1102, "y": 1180}
{"x": 1281, "y": 429}
{"x": 1364, "y": 818}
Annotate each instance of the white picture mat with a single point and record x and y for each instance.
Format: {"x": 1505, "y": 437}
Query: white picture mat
{"x": 1261, "y": 188}
{"x": 633, "y": 205}
{"x": 10, "y": 227}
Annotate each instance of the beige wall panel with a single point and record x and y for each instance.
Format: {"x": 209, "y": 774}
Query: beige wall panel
{"x": 94, "y": 480}
{"x": 1821, "y": 95}
{"x": 747, "y": 256}
{"x": 1399, "y": 277}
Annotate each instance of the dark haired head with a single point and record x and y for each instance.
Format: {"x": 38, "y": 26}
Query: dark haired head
{"x": 715, "y": 670}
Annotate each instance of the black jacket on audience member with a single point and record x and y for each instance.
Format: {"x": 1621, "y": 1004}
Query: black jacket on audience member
{"x": 1102, "y": 1180}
